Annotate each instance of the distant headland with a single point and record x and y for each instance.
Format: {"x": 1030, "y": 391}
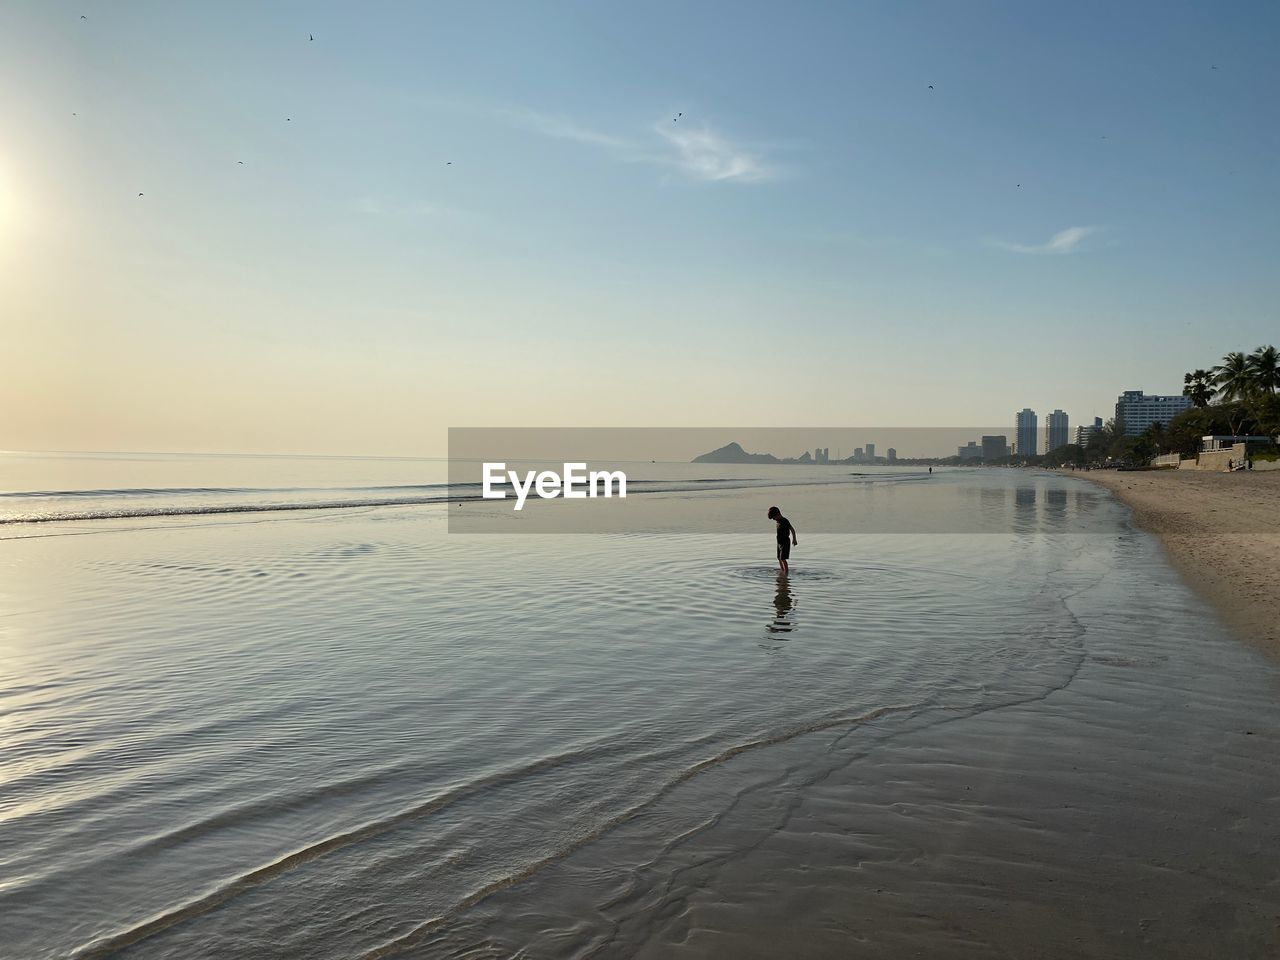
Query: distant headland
{"x": 733, "y": 453}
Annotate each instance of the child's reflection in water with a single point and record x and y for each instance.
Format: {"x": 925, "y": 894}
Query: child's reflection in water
{"x": 783, "y": 603}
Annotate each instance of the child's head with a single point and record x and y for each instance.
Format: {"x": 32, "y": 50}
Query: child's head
{"x": 774, "y": 513}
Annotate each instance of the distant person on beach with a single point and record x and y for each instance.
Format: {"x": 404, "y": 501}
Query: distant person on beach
{"x": 786, "y": 538}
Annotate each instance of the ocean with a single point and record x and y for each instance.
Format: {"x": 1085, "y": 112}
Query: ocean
{"x": 259, "y": 707}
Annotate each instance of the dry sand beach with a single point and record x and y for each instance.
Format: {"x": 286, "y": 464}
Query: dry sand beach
{"x": 1222, "y": 532}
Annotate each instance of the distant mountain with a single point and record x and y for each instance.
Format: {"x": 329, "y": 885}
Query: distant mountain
{"x": 733, "y": 453}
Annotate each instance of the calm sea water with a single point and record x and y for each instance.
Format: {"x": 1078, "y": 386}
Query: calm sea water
{"x": 228, "y": 731}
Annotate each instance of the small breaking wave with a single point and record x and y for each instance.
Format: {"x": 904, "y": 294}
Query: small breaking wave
{"x": 141, "y": 502}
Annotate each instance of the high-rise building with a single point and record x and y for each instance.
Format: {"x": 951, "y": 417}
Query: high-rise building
{"x": 995, "y": 448}
{"x": 1087, "y": 430}
{"x": 1025, "y": 434}
{"x": 1136, "y": 411}
{"x": 1055, "y": 431}
{"x": 893, "y": 455}
{"x": 871, "y": 451}
{"x": 857, "y": 453}
{"x": 970, "y": 451}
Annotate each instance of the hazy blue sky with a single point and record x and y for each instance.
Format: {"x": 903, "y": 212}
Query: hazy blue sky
{"x": 484, "y": 214}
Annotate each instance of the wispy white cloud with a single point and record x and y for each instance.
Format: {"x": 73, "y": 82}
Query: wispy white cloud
{"x": 697, "y": 151}
{"x": 562, "y": 128}
{"x": 1062, "y": 242}
{"x": 706, "y": 155}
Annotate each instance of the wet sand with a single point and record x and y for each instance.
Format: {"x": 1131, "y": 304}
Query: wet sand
{"x": 1222, "y": 532}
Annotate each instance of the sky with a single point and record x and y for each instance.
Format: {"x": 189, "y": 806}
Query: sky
{"x": 218, "y": 234}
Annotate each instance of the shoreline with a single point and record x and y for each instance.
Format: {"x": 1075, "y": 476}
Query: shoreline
{"x": 1222, "y": 533}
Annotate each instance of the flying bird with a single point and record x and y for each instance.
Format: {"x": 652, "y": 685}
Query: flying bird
{"x": 287, "y": 119}
{"x": 448, "y": 163}
{"x": 83, "y": 17}
{"x": 310, "y": 36}
{"x": 239, "y": 161}
{"x": 676, "y": 117}
{"x": 139, "y": 194}
{"x": 931, "y": 86}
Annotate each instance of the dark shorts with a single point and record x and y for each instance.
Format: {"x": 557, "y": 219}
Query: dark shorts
{"x": 784, "y": 550}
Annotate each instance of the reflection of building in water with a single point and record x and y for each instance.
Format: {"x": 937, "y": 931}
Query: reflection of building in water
{"x": 994, "y": 502}
{"x": 783, "y": 604}
{"x": 1024, "y": 506}
{"x": 1055, "y": 503}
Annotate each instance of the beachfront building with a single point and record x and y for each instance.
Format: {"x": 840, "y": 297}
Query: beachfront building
{"x": 970, "y": 451}
{"x": 1136, "y": 411}
{"x": 1218, "y": 442}
{"x": 871, "y": 451}
{"x": 995, "y": 448}
{"x": 1055, "y": 431}
{"x": 893, "y": 455}
{"x": 1025, "y": 433}
{"x": 1087, "y": 430}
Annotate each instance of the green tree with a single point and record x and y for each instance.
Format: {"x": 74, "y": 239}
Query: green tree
{"x": 1266, "y": 414}
{"x": 1134, "y": 450}
{"x": 1233, "y": 377}
{"x": 1098, "y": 447}
{"x": 1156, "y": 435}
{"x": 1066, "y": 454}
{"x": 1264, "y": 369}
{"x": 1185, "y": 430}
{"x": 1198, "y": 385}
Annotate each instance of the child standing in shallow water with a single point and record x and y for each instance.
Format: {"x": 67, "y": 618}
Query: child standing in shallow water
{"x": 786, "y": 538}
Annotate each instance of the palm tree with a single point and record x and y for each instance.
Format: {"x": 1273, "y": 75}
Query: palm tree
{"x": 1198, "y": 385}
{"x": 1157, "y": 434}
{"x": 1233, "y": 377}
{"x": 1264, "y": 368}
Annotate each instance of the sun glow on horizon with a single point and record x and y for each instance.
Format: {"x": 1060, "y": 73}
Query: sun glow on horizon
{"x": 8, "y": 205}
